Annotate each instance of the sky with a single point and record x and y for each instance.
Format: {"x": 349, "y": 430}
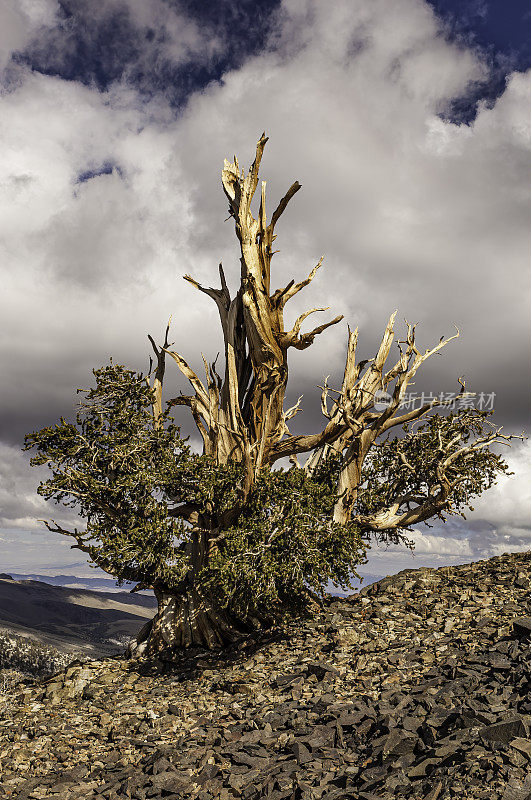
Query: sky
{"x": 408, "y": 124}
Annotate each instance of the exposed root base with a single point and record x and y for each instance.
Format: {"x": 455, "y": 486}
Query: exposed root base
{"x": 189, "y": 622}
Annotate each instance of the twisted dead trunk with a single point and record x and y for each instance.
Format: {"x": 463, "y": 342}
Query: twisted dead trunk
{"x": 185, "y": 620}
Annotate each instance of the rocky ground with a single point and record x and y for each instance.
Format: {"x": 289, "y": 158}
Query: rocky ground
{"x": 418, "y": 687}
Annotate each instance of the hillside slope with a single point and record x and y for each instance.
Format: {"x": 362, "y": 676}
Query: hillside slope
{"x": 72, "y": 620}
{"x": 417, "y": 688}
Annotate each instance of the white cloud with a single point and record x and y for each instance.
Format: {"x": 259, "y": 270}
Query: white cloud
{"x": 429, "y": 544}
{"x": 411, "y": 211}
{"x": 19, "y": 22}
{"x": 129, "y": 40}
{"x": 507, "y": 506}
{"x": 498, "y": 549}
{"x": 180, "y": 37}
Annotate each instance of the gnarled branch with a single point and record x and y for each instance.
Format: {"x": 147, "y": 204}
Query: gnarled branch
{"x": 159, "y": 373}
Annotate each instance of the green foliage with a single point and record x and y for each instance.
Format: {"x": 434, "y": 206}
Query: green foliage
{"x": 409, "y": 466}
{"x": 212, "y": 488}
{"x": 112, "y": 466}
{"x": 284, "y": 540}
{"x": 126, "y": 477}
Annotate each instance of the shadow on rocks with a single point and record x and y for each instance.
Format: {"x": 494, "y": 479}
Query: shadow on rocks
{"x": 188, "y": 664}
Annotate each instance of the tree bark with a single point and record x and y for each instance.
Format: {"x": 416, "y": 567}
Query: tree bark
{"x": 189, "y": 620}
{"x": 242, "y": 418}
{"x": 187, "y": 617}
{"x": 184, "y": 621}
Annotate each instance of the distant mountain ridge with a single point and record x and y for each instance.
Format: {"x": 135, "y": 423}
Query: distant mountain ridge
{"x": 71, "y": 619}
{"x": 71, "y": 581}
{"x": 109, "y": 584}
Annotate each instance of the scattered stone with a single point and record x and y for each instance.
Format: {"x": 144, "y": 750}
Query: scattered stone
{"x": 504, "y": 732}
{"x": 523, "y": 745}
{"x": 416, "y": 688}
{"x": 522, "y": 626}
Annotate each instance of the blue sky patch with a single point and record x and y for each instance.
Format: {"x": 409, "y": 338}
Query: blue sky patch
{"x": 501, "y": 32}
{"x": 104, "y": 169}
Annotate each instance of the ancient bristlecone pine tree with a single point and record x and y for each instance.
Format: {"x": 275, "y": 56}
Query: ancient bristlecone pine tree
{"x": 257, "y": 542}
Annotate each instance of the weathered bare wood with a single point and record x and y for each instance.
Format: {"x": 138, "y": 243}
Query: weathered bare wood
{"x": 279, "y": 210}
{"x": 241, "y": 417}
{"x": 158, "y": 380}
{"x": 281, "y": 296}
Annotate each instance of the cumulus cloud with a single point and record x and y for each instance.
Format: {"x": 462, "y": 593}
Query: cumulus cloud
{"x": 107, "y": 197}
{"x": 508, "y": 505}
{"x": 144, "y": 41}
